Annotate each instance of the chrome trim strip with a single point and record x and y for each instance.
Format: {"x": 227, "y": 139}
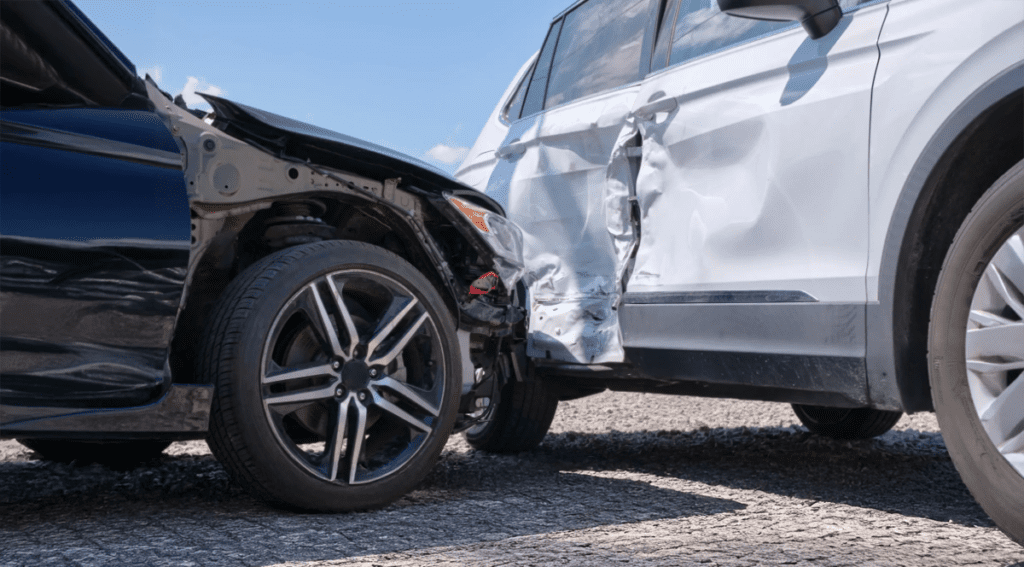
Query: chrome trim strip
{"x": 746, "y": 296}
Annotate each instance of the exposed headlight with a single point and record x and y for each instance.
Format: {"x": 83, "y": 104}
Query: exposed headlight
{"x": 504, "y": 237}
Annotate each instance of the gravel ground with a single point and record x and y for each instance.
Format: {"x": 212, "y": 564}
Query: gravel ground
{"x": 635, "y": 479}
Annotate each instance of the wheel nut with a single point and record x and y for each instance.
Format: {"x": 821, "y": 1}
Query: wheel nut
{"x": 373, "y": 372}
{"x": 336, "y": 365}
{"x": 339, "y": 392}
{"x": 362, "y": 396}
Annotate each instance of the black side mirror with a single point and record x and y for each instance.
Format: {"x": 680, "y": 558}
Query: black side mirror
{"x": 817, "y": 16}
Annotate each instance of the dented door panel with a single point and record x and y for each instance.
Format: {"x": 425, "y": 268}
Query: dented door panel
{"x": 744, "y": 182}
{"x": 553, "y": 179}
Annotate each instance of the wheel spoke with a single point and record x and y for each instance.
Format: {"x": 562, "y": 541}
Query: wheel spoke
{"x": 389, "y": 322}
{"x": 1004, "y": 417}
{"x": 1014, "y": 444}
{"x": 999, "y": 340}
{"x": 1016, "y": 461}
{"x": 386, "y": 359}
{"x": 340, "y": 428}
{"x": 355, "y": 442}
{"x": 984, "y": 367}
{"x": 302, "y": 396}
{"x": 326, "y": 325}
{"x": 407, "y": 393}
{"x": 400, "y": 413}
{"x": 295, "y": 373}
{"x": 1010, "y": 261}
{"x": 986, "y": 319}
{"x": 346, "y": 316}
{"x": 1004, "y": 290}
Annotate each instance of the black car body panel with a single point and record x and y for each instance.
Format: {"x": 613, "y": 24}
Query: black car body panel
{"x": 94, "y": 243}
{"x": 340, "y": 151}
{"x": 125, "y": 215}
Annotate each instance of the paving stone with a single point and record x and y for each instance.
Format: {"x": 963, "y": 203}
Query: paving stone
{"x": 630, "y": 479}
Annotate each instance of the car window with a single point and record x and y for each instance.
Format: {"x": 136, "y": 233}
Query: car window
{"x": 599, "y": 48}
{"x": 668, "y": 20}
{"x": 539, "y": 80}
{"x": 848, "y": 5}
{"x": 701, "y": 28}
{"x": 515, "y": 104}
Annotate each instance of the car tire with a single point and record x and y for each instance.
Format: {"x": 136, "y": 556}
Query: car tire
{"x": 518, "y": 421}
{"x": 976, "y": 352}
{"x": 122, "y": 453}
{"x": 846, "y": 423}
{"x": 337, "y": 377}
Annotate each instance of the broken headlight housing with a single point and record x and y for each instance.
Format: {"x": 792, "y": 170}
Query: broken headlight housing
{"x": 503, "y": 236}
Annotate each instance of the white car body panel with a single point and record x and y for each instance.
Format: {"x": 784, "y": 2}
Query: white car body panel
{"x": 744, "y": 186}
{"x": 738, "y": 191}
{"x": 934, "y": 55}
{"x": 476, "y": 169}
{"x": 552, "y": 178}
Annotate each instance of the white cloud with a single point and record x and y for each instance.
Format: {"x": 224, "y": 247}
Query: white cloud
{"x": 156, "y": 71}
{"x": 193, "y": 86}
{"x": 447, "y": 154}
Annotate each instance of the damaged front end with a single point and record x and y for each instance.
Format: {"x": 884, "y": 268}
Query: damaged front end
{"x": 259, "y": 182}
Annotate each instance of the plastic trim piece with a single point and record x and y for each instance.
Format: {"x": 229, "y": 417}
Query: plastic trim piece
{"x": 753, "y": 296}
{"x": 825, "y": 380}
{"x": 894, "y": 387}
{"x": 803, "y": 329}
{"x": 183, "y": 412}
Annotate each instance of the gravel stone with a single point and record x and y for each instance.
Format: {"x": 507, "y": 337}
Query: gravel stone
{"x": 637, "y": 479}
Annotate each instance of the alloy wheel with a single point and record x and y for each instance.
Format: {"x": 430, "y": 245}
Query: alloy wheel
{"x": 352, "y": 376}
{"x": 994, "y": 350}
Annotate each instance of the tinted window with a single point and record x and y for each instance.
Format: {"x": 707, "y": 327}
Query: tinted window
{"x": 599, "y": 48}
{"x": 702, "y": 28}
{"x": 539, "y": 80}
{"x": 668, "y": 20}
{"x": 848, "y": 5}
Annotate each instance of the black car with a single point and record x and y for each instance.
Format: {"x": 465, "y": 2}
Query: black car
{"x": 323, "y": 310}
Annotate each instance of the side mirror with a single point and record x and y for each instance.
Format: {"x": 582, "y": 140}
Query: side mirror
{"x": 817, "y": 16}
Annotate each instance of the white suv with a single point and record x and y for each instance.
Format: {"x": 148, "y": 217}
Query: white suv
{"x": 720, "y": 201}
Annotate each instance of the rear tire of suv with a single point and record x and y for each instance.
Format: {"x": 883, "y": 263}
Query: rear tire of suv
{"x": 846, "y": 423}
{"x": 976, "y": 351}
{"x": 337, "y": 377}
{"x": 518, "y": 422}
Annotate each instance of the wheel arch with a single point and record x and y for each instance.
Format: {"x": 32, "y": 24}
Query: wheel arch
{"x": 976, "y": 144}
{"x": 226, "y": 244}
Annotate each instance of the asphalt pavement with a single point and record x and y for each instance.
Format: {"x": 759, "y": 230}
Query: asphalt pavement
{"x": 632, "y": 479}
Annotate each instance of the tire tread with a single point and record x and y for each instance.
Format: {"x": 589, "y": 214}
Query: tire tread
{"x": 521, "y": 421}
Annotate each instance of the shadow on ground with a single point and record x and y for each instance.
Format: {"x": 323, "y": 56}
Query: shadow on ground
{"x": 189, "y": 504}
{"x": 900, "y": 472}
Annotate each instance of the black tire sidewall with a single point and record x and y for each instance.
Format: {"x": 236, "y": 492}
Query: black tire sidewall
{"x": 288, "y": 483}
{"x": 994, "y": 483}
{"x": 856, "y": 423}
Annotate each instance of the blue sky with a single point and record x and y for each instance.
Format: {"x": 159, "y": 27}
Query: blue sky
{"x": 419, "y": 77}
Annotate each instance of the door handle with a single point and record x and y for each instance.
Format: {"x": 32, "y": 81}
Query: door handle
{"x": 647, "y": 111}
{"x": 511, "y": 150}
